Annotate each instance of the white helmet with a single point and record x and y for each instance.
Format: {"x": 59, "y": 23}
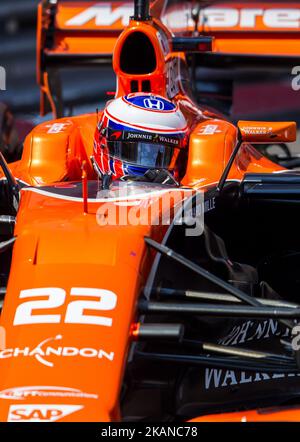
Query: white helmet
{"x": 139, "y": 132}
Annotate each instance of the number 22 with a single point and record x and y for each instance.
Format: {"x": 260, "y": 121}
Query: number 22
{"x": 106, "y": 301}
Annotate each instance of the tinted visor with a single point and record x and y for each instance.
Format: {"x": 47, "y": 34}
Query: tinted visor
{"x": 143, "y": 154}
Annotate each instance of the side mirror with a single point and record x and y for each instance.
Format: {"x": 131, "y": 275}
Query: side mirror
{"x": 267, "y": 132}
{"x": 193, "y": 44}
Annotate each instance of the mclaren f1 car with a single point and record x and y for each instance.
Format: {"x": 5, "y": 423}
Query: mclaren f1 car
{"x": 110, "y": 314}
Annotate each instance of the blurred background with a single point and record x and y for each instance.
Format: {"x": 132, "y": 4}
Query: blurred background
{"x": 18, "y": 56}
{"x": 262, "y": 94}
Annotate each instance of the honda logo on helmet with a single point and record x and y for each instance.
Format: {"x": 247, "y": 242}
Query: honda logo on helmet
{"x": 154, "y": 103}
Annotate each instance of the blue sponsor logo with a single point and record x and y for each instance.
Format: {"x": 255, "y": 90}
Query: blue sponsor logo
{"x": 151, "y": 102}
{"x": 154, "y": 104}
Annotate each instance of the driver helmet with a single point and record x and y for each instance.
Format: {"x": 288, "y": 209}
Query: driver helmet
{"x": 139, "y": 132}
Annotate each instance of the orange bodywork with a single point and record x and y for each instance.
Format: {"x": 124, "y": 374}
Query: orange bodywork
{"x": 76, "y": 350}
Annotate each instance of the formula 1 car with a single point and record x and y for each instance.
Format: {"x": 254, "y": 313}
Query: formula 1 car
{"x": 189, "y": 316}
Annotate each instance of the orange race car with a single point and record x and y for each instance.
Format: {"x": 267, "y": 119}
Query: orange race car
{"x": 150, "y": 253}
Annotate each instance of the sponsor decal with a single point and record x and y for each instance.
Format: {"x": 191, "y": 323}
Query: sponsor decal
{"x": 209, "y": 205}
{"x": 147, "y": 137}
{"x": 43, "y": 352}
{"x": 106, "y": 14}
{"x": 22, "y": 393}
{"x": 56, "y": 128}
{"x": 116, "y": 135}
{"x": 219, "y": 378}
{"x": 154, "y": 104}
{"x": 227, "y": 18}
{"x": 252, "y": 331}
{"x": 257, "y": 130}
{"x": 210, "y": 129}
{"x": 133, "y": 136}
{"x": 103, "y": 14}
{"x": 154, "y": 138}
{"x": 40, "y": 412}
{"x": 150, "y": 102}
{"x": 246, "y": 333}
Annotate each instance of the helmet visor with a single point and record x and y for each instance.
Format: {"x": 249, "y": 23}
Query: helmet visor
{"x": 142, "y": 154}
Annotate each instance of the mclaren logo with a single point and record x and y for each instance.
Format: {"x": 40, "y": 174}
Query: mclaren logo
{"x": 106, "y": 14}
{"x": 244, "y": 18}
{"x": 103, "y": 14}
{"x": 40, "y": 412}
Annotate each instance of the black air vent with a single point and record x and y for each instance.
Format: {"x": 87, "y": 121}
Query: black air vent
{"x": 146, "y": 86}
{"x": 138, "y": 55}
{"x": 134, "y": 86}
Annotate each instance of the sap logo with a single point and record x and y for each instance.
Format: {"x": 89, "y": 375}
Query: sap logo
{"x": 154, "y": 103}
{"x": 40, "y": 413}
{"x": 103, "y": 14}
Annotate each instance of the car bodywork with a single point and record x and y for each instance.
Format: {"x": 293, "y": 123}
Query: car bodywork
{"x": 245, "y": 34}
{"x": 92, "y": 324}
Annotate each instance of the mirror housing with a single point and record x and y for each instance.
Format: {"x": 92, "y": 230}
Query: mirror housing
{"x": 267, "y": 132}
{"x": 192, "y": 44}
